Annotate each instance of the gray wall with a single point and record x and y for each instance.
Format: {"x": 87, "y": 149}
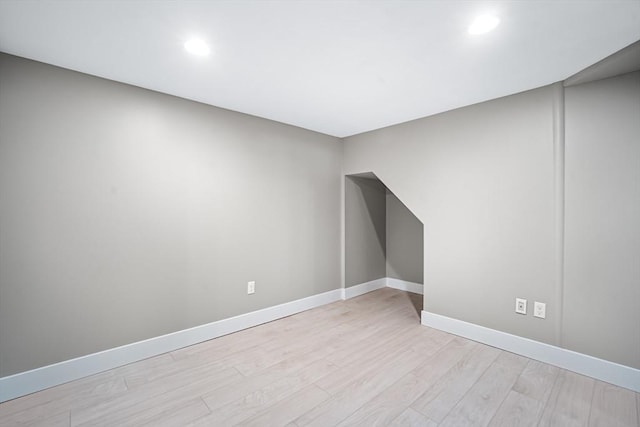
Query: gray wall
{"x": 365, "y": 230}
{"x": 126, "y": 214}
{"x": 481, "y": 180}
{"x": 404, "y": 242}
{"x": 602, "y": 240}
{"x": 484, "y": 181}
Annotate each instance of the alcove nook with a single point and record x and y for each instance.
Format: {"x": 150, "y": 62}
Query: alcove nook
{"x": 383, "y": 239}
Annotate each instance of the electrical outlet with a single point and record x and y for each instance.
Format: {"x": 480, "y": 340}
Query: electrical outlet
{"x": 521, "y": 306}
{"x": 251, "y": 287}
{"x": 540, "y": 309}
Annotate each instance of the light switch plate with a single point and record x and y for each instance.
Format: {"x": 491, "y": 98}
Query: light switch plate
{"x": 521, "y": 306}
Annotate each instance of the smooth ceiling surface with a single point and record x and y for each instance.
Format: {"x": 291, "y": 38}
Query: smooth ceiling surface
{"x": 336, "y": 67}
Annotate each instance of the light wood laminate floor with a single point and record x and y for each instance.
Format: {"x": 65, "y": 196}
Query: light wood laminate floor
{"x": 366, "y": 361}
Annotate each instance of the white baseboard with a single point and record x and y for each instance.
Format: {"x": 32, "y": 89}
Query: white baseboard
{"x": 613, "y": 373}
{"x": 383, "y": 282}
{"x": 403, "y": 285}
{"x": 28, "y": 382}
{"x": 363, "y": 288}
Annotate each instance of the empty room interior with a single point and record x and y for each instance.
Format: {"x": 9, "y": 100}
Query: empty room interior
{"x": 295, "y": 213}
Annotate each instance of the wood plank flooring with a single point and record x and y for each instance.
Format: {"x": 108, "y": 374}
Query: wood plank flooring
{"x": 362, "y": 362}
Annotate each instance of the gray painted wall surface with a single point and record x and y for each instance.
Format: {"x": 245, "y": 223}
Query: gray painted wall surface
{"x": 481, "y": 180}
{"x": 126, "y": 214}
{"x": 404, "y": 242}
{"x": 365, "y": 230}
{"x": 602, "y": 236}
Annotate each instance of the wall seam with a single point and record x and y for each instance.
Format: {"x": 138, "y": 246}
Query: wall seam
{"x": 559, "y": 202}
{"x": 343, "y": 237}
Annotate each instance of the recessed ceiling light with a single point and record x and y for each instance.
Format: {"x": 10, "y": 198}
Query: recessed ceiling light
{"x": 483, "y": 24}
{"x": 197, "y": 47}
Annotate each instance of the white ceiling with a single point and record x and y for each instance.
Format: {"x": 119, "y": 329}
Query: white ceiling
{"x": 336, "y": 67}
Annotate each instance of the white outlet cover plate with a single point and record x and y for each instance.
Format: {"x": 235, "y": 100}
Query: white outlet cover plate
{"x": 540, "y": 309}
{"x": 251, "y": 287}
{"x": 521, "y": 306}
